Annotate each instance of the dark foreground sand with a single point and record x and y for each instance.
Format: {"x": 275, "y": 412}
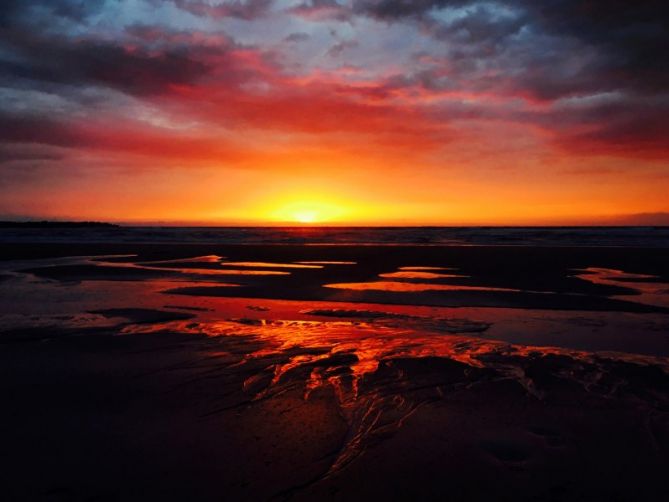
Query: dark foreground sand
{"x": 129, "y": 380}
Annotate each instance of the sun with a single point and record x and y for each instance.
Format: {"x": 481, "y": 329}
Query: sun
{"x": 307, "y": 212}
{"x": 305, "y": 216}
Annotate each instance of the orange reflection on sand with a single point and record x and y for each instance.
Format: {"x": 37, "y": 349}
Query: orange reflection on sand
{"x": 342, "y": 353}
{"x": 161, "y": 265}
{"x": 380, "y": 364}
{"x": 327, "y": 262}
{"x": 227, "y": 271}
{"x": 649, "y": 290}
{"x": 418, "y": 269}
{"x": 197, "y": 259}
{"x": 262, "y": 264}
{"x": 164, "y": 264}
{"x": 232, "y": 271}
{"x": 354, "y": 346}
{"x": 410, "y": 287}
{"x": 407, "y": 274}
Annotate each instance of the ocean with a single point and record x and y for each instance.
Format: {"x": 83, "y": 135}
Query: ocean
{"x": 651, "y": 237}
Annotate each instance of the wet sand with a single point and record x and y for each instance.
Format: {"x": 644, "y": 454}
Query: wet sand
{"x": 189, "y": 372}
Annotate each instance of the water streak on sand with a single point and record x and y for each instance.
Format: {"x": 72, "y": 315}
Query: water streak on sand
{"x": 648, "y": 290}
{"x": 421, "y": 269}
{"x": 260, "y": 264}
{"x": 327, "y": 262}
{"x": 197, "y": 259}
{"x": 407, "y": 274}
{"x": 411, "y": 287}
{"x": 182, "y": 265}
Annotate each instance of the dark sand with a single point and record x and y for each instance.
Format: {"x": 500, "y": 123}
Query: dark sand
{"x": 138, "y": 378}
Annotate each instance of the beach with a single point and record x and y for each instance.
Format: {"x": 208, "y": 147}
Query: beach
{"x": 334, "y": 250}
{"x": 204, "y": 371}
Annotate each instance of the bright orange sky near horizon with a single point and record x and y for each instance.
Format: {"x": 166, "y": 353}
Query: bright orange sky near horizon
{"x": 357, "y": 112}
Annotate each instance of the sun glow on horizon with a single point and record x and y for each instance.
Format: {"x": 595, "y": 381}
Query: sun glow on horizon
{"x": 308, "y": 211}
{"x": 306, "y": 216}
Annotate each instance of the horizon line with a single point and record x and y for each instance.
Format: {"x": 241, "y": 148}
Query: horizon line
{"x": 199, "y": 224}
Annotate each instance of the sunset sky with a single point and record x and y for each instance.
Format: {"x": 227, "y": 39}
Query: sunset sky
{"x": 322, "y": 111}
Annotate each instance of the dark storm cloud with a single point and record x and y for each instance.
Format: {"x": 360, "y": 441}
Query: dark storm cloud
{"x": 631, "y": 39}
{"x": 21, "y": 153}
{"x": 482, "y": 25}
{"x": 400, "y": 9}
{"x": 26, "y": 128}
{"x": 16, "y": 11}
{"x": 59, "y": 59}
{"x": 628, "y": 40}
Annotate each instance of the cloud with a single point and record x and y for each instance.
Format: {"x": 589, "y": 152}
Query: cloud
{"x": 550, "y": 49}
{"x": 19, "y": 11}
{"x": 134, "y": 138}
{"x": 627, "y": 128}
{"x": 20, "y": 152}
{"x": 659, "y": 219}
{"x": 322, "y": 10}
{"x": 134, "y": 70}
{"x": 337, "y": 49}
{"x": 401, "y": 9}
{"x": 297, "y": 37}
{"x": 423, "y": 75}
{"x": 242, "y": 9}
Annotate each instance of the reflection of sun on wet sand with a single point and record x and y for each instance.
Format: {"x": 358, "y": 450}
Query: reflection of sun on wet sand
{"x": 410, "y": 286}
{"x": 408, "y": 274}
{"x": 327, "y": 262}
{"x": 356, "y": 358}
{"x": 423, "y": 269}
{"x": 256, "y": 264}
{"x": 645, "y": 288}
